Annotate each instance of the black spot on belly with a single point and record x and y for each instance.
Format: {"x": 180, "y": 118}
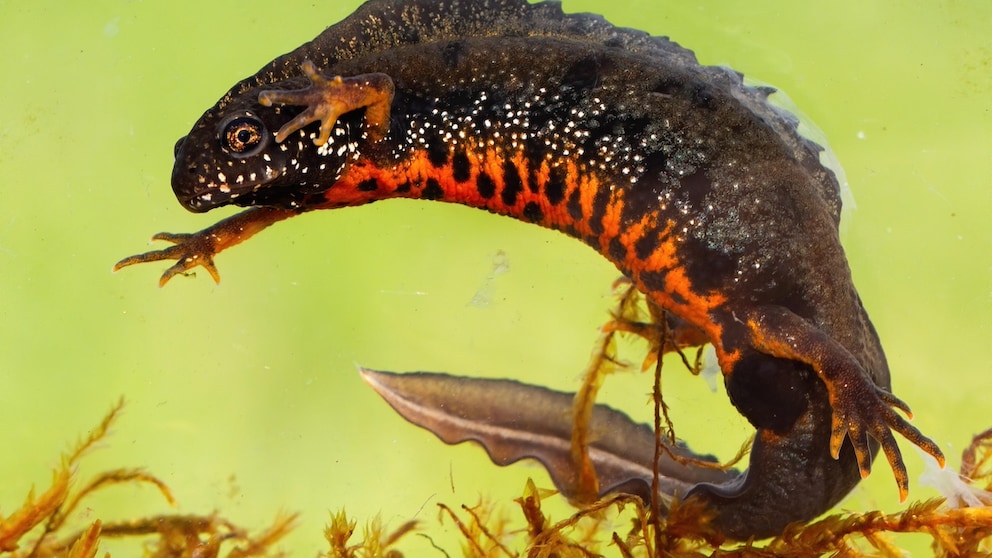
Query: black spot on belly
{"x": 433, "y": 190}
{"x": 618, "y": 252}
{"x": 678, "y": 298}
{"x": 574, "y": 205}
{"x": 599, "y": 203}
{"x": 709, "y": 269}
{"x": 533, "y": 212}
{"x": 461, "y": 170}
{"x": 654, "y": 280}
{"x": 512, "y": 184}
{"x": 532, "y": 184}
{"x": 485, "y": 185}
{"x": 368, "y": 185}
{"x": 645, "y": 246}
{"x": 534, "y": 153}
{"x": 437, "y": 153}
{"x": 554, "y": 189}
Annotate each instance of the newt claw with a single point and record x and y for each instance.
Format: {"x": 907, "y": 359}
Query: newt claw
{"x": 861, "y": 410}
{"x": 189, "y": 251}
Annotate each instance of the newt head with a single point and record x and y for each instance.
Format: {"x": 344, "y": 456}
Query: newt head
{"x": 256, "y": 147}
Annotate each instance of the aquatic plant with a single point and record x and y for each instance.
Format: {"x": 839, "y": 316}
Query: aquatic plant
{"x": 959, "y": 524}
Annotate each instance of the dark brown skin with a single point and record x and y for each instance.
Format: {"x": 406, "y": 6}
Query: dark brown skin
{"x": 697, "y": 189}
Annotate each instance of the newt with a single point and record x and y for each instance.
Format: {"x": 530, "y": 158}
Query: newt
{"x": 700, "y": 191}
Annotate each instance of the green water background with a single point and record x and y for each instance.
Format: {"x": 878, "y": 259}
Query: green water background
{"x": 243, "y": 397}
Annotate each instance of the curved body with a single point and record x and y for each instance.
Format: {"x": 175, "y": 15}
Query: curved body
{"x": 697, "y": 189}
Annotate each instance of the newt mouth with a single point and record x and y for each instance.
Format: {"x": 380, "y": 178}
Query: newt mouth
{"x": 200, "y": 198}
{"x": 200, "y": 186}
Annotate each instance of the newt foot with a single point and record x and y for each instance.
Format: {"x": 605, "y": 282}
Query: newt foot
{"x": 868, "y": 411}
{"x": 191, "y": 250}
{"x": 861, "y": 410}
{"x": 326, "y": 99}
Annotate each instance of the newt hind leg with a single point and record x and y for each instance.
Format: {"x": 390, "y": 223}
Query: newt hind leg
{"x": 860, "y": 408}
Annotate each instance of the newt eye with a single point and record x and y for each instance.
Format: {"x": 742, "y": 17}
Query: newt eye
{"x": 243, "y": 136}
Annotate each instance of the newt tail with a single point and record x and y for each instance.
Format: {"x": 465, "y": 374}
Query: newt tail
{"x": 701, "y": 193}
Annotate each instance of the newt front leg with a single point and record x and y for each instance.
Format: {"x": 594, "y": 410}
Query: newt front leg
{"x": 328, "y": 98}
{"x": 198, "y": 249}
